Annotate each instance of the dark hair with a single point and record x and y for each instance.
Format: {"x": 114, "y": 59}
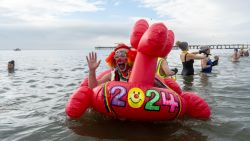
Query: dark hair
{"x": 183, "y": 45}
{"x": 204, "y": 48}
{"x": 236, "y": 49}
{"x": 12, "y": 62}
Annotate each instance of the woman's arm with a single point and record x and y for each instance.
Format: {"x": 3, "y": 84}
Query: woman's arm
{"x": 196, "y": 56}
{"x": 93, "y": 65}
{"x": 165, "y": 68}
{"x": 105, "y": 78}
{"x": 196, "y": 52}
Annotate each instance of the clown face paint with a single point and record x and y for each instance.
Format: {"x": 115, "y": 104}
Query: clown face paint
{"x": 136, "y": 97}
{"x": 121, "y": 59}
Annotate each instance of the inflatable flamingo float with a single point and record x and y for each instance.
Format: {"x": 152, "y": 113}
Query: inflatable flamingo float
{"x": 138, "y": 99}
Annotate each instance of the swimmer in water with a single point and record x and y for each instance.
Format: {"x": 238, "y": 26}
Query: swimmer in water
{"x": 236, "y": 56}
{"x": 11, "y": 66}
{"x": 206, "y": 63}
{"x": 187, "y": 58}
{"x": 246, "y": 53}
{"x": 163, "y": 69}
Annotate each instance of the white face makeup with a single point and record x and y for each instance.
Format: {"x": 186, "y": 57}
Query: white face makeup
{"x": 121, "y": 59}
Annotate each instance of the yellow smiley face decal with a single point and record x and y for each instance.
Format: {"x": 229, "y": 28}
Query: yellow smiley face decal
{"x": 136, "y": 97}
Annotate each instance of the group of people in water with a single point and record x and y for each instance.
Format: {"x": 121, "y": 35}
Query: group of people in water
{"x": 239, "y": 53}
{"x": 121, "y": 61}
{"x": 203, "y": 54}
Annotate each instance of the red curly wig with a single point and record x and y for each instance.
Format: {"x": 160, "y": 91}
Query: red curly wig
{"x": 131, "y": 55}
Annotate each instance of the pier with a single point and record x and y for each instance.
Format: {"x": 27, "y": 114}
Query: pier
{"x": 221, "y": 46}
{"x": 218, "y": 46}
{"x": 102, "y": 47}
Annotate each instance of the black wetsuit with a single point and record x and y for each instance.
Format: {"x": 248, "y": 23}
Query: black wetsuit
{"x": 188, "y": 68}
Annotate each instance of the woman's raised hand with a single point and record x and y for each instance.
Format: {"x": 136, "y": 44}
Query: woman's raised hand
{"x": 92, "y": 61}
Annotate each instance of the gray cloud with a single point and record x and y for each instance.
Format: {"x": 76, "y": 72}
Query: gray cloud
{"x": 46, "y": 11}
{"x": 206, "y": 21}
{"x": 195, "y": 21}
{"x": 62, "y": 37}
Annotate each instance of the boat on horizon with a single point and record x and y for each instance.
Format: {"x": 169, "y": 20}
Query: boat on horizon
{"x": 17, "y": 49}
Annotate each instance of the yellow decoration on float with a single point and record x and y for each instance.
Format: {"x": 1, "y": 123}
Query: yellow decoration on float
{"x": 136, "y": 97}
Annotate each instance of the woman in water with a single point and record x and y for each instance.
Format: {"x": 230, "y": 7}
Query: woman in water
{"x": 243, "y": 52}
{"x": 206, "y": 63}
{"x": 187, "y": 58}
{"x": 246, "y": 53}
{"x": 11, "y": 66}
{"x": 163, "y": 69}
{"x": 236, "y": 55}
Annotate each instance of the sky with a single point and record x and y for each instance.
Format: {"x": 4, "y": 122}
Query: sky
{"x": 80, "y": 24}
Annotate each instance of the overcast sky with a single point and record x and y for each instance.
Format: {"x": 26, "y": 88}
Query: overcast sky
{"x": 79, "y": 24}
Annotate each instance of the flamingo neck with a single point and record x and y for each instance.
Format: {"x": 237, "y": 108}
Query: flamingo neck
{"x": 143, "y": 71}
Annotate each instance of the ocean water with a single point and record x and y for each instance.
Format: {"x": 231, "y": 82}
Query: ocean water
{"x": 33, "y": 99}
